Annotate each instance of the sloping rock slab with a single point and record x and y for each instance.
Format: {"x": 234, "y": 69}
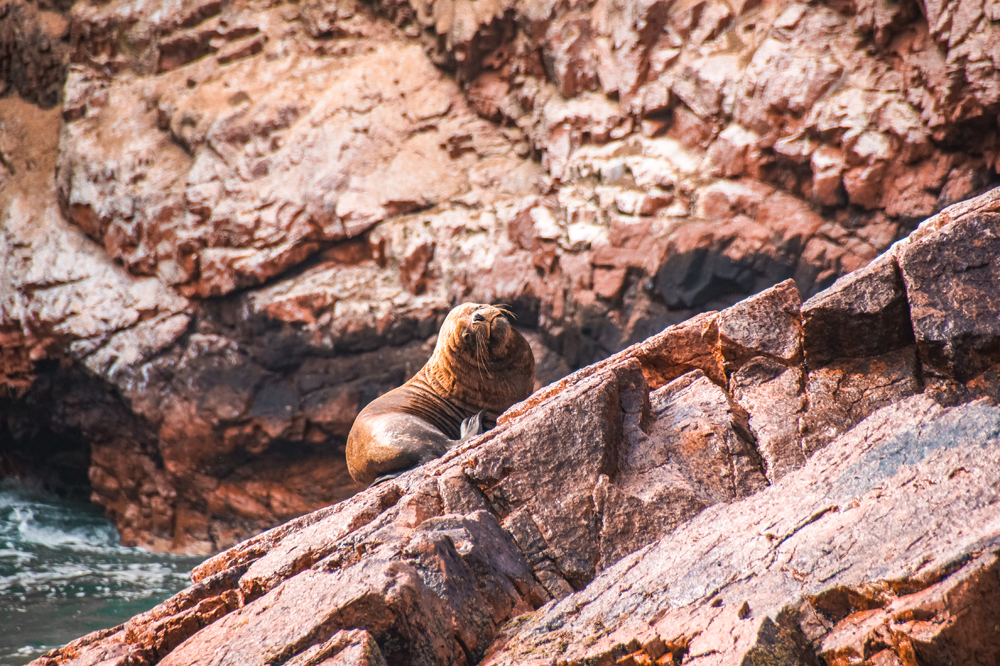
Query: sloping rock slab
{"x": 903, "y": 503}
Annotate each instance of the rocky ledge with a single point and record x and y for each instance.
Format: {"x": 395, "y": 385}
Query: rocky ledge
{"x": 781, "y": 482}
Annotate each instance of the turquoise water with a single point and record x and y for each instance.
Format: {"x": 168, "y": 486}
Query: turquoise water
{"x": 64, "y": 574}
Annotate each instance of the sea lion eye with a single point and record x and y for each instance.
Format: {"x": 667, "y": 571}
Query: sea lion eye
{"x": 478, "y": 317}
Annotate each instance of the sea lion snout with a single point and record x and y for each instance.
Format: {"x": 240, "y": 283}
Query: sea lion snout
{"x": 483, "y": 328}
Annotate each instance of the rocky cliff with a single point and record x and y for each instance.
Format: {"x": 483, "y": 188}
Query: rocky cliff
{"x": 226, "y": 226}
{"x": 781, "y": 482}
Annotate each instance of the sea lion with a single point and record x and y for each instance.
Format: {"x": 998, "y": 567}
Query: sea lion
{"x": 479, "y": 368}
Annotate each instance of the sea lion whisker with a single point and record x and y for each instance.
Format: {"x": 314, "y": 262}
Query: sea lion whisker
{"x": 486, "y": 355}
{"x": 481, "y": 358}
{"x": 479, "y": 364}
{"x": 506, "y": 310}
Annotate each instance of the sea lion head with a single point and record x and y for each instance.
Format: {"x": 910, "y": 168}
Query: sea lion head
{"x": 479, "y": 353}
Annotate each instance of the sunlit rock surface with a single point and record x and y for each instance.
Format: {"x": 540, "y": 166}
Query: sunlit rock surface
{"x": 713, "y": 493}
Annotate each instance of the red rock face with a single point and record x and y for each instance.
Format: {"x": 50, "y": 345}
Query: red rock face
{"x": 241, "y": 222}
{"x": 712, "y": 494}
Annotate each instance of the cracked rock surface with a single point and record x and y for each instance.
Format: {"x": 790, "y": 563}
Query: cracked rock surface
{"x": 710, "y": 495}
{"x": 226, "y": 226}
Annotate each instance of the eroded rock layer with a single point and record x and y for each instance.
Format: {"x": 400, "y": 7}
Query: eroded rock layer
{"x": 751, "y": 486}
{"x": 227, "y": 226}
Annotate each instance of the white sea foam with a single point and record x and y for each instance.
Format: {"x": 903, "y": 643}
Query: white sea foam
{"x": 59, "y": 559}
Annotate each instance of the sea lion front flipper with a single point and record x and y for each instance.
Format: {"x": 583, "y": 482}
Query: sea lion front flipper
{"x": 387, "y": 477}
{"x": 471, "y": 427}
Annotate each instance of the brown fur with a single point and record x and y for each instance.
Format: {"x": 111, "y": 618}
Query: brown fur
{"x": 480, "y": 364}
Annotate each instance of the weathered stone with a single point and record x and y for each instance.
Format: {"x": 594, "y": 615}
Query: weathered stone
{"x": 201, "y": 238}
{"x": 662, "y": 358}
{"x": 459, "y": 577}
{"x": 808, "y": 552}
{"x": 732, "y": 151}
{"x": 574, "y": 60}
{"x": 591, "y": 419}
{"x": 707, "y": 261}
{"x": 354, "y": 647}
{"x": 842, "y": 393}
{"x": 33, "y": 50}
{"x": 920, "y": 623}
{"x": 772, "y": 394}
{"x": 689, "y": 458}
{"x": 694, "y": 425}
{"x": 288, "y": 556}
{"x": 827, "y": 167}
{"x": 960, "y": 264}
{"x": 767, "y": 324}
{"x": 863, "y": 314}
{"x": 784, "y": 77}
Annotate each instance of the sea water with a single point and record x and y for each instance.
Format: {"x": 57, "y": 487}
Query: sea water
{"x": 63, "y": 573}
